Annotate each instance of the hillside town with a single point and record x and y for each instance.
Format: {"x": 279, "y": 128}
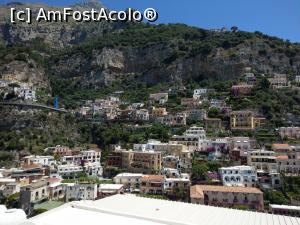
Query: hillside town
{"x": 214, "y": 159}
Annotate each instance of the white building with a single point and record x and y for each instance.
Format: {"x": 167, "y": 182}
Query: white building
{"x": 105, "y": 190}
{"x": 93, "y": 169}
{"x": 289, "y": 132}
{"x": 142, "y": 114}
{"x": 263, "y": 160}
{"x": 133, "y": 210}
{"x": 161, "y": 98}
{"x": 4, "y": 83}
{"x": 172, "y": 119}
{"x": 287, "y": 210}
{"x": 240, "y": 176}
{"x": 265, "y": 163}
{"x": 194, "y": 138}
{"x": 155, "y": 145}
{"x": 69, "y": 171}
{"x": 172, "y": 183}
{"x": 29, "y": 95}
{"x": 170, "y": 172}
{"x": 130, "y": 181}
{"x": 10, "y": 189}
{"x": 297, "y": 79}
{"x": 46, "y": 160}
{"x": 196, "y": 114}
{"x": 33, "y": 193}
{"x": 81, "y": 191}
{"x": 201, "y": 92}
{"x": 84, "y": 156}
{"x": 279, "y": 81}
{"x": 25, "y": 92}
{"x": 196, "y": 131}
{"x": 241, "y": 143}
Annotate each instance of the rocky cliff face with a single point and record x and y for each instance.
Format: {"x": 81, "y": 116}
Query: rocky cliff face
{"x": 56, "y": 34}
{"x": 152, "y": 64}
{"x": 159, "y": 53}
{"x": 25, "y": 72}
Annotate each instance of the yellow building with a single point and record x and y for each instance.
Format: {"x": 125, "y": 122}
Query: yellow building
{"x": 141, "y": 162}
{"x": 158, "y": 112}
{"x": 244, "y": 120}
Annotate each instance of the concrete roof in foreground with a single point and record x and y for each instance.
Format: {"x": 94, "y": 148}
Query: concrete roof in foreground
{"x": 132, "y": 210}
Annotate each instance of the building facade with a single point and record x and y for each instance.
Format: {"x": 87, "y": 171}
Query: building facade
{"x": 81, "y": 191}
{"x": 152, "y": 184}
{"x": 239, "y": 176}
{"x": 223, "y": 196}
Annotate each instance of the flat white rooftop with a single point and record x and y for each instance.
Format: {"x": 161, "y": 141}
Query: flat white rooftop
{"x": 132, "y": 210}
{"x": 110, "y": 186}
{"x": 120, "y": 175}
{"x": 289, "y": 207}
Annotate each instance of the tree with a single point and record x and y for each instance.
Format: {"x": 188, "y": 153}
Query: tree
{"x": 213, "y": 113}
{"x": 264, "y": 84}
{"x": 181, "y": 194}
{"x": 199, "y": 171}
{"x": 275, "y": 197}
{"x": 13, "y": 201}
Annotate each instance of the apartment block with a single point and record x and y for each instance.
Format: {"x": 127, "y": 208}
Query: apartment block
{"x": 152, "y": 184}
{"x": 173, "y": 185}
{"x": 223, "y": 196}
{"x": 213, "y": 124}
{"x": 172, "y": 119}
{"x": 265, "y": 163}
{"x": 160, "y": 98}
{"x": 195, "y": 114}
{"x": 241, "y": 89}
{"x": 190, "y": 102}
{"x": 238, "y": 176}
{"x": 69, "y": 171}
{"x": 35, "y": 192}
{"x": 147, "y": 162}
{"x": 288, "y": 158}
{"x": 192, "y": 138}
{"x": 279, "y": 81}
{"x": 141, "y": 162}
{"x": 201, "y": 93}
{"x": 239, "y": 149}
{"x": 106, "y": 190}
{"x": 83, "y": 157}
{"x": 40, "y": 159}
{"x": 244, "y": 120}
{"x": 81, "y": 191}
{"x": 10, "y": 188}
{"x": 129, "y": 180}
{"x": 159, "y": 112}
{"x": 289, "y": 132}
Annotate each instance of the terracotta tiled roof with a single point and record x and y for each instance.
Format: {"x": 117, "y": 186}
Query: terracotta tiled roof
{"x": 153, "y": 178}
{"x": 197, "y": 190}
{"x": 280, "y": 146}
{"x": 31, "y": 166}
{"x": 54, "y": 180}
{"x": 282, "y": 157}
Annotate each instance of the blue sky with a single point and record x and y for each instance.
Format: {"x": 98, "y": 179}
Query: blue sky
{"x": 279, "y": 18}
